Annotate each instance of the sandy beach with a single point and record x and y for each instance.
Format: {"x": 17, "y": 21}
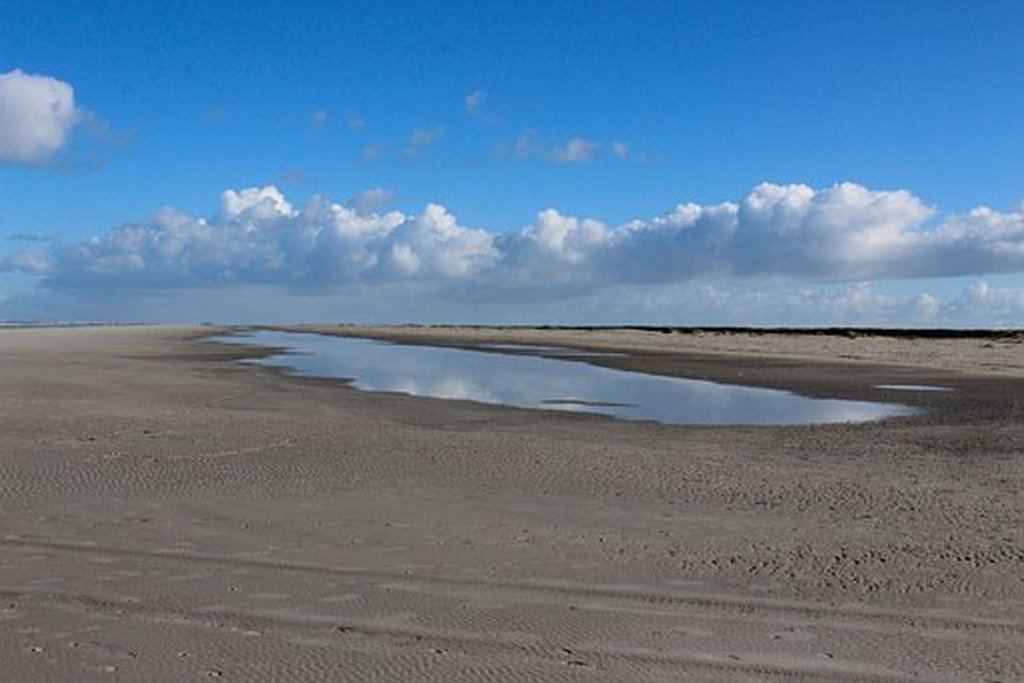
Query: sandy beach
{"x": 168, "y": 515}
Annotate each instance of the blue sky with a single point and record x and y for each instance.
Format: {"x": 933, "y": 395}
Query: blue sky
{"x": 877, "y": 127}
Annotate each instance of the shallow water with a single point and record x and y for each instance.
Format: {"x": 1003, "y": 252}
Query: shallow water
{"x": 912, "y": 387}
{"x": 528, "y": 381}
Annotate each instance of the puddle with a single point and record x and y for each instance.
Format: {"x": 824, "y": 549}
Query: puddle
{"x": 912, "y": 387}
{"x": 528, "y": 381}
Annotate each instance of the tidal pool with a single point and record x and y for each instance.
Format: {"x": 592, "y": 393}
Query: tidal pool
{"x": 526, "y": 381}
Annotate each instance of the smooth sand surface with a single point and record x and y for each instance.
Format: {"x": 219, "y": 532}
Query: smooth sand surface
{"x": 168, "y": 516}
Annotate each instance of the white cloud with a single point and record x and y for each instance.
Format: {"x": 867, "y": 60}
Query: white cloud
{"x": 555, "y": 252}
{"x": 738, "y": 304}
{"x": 771, "y": 303}
{"x": 421, "y": 137}
{"x": 474, "y": 101}
{"x": 259, "y": 204}
{"x": 794, "y": 233}
{"x": 526, "y": 146}
{"x": 922, "y": 307}
{"x": 258, "y": 237}
{"x": 370, "y": 200}
{"x": 575, "y": 151}
{"x": 981, "y": 302}
{"x": 29, "y": 261}
{"x": 37, "y": 114}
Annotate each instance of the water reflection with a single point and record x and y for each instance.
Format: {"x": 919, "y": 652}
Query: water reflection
{"x": 551, "y": 383}
{"x": 912, "y": 387}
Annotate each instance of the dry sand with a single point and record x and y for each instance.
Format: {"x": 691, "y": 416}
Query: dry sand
{"x": 168, "y": 516}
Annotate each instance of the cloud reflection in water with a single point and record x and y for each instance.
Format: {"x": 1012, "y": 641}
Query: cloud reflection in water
{"x": 528, "y": 381}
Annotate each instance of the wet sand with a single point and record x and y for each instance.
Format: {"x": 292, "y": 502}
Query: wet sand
{"x": 167, "y": 515}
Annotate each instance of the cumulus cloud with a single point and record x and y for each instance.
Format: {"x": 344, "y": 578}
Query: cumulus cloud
{"x": 37, "y": 114}
{"x": 843, "y": 233}
{"x": 30, "y": 262}
{"x": 370, "y": 200}
{"x": 982, "y": 302}
{"x": 258, "y": 237}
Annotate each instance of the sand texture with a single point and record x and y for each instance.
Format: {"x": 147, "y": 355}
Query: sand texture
{"x": 166, "y": 515}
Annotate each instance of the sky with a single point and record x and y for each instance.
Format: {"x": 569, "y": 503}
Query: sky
{"x": 681, "y": 163}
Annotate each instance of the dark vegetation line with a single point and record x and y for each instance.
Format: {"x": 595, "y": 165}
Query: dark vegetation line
{"x": 1015, "y": 335}
{"x": 1010, "y": 335}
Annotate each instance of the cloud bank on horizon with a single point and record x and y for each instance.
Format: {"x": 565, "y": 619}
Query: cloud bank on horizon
{"x": 843, "y": 233}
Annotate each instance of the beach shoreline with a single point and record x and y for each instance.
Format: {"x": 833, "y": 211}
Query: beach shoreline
{"x": 172, "y": 514}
